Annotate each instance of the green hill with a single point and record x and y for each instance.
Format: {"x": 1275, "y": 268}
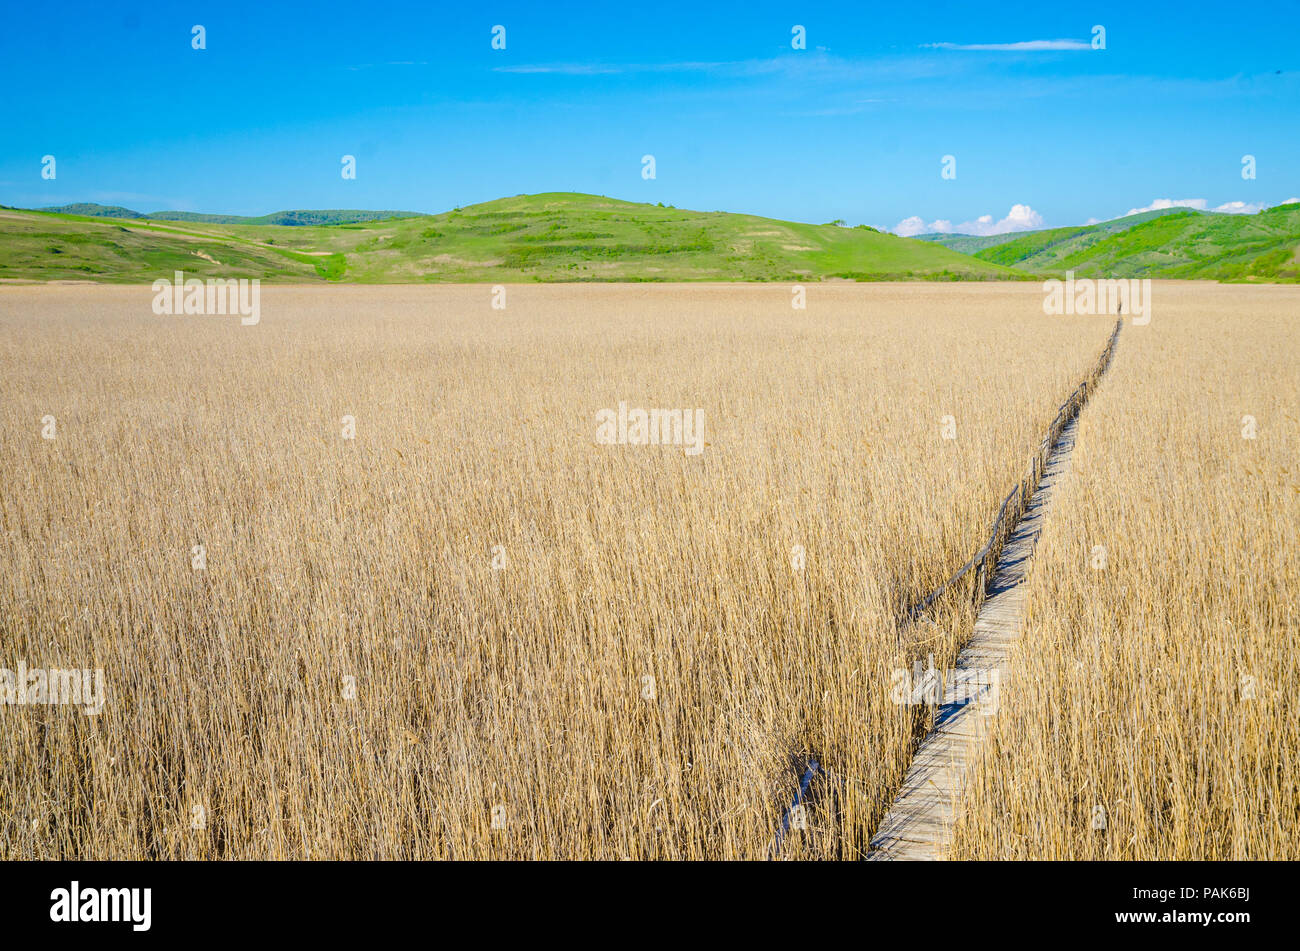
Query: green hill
{"x": 973, "y": 244}
{"x": 1176, "y": 243}
{"x": 558, "y": 236}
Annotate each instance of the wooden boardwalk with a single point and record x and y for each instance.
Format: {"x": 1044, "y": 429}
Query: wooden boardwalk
{"x": 919, "y": 824}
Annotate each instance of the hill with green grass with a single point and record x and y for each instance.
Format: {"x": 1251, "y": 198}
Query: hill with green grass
{"x": 558, "y": 236}
{"x": 1176, "y": 243}
{"x": 973, "y": 244}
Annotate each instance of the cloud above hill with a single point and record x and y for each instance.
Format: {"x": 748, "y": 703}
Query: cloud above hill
{"x": 1019, "y": 218}
{"x": 1241, "y": 207}
{"x": 1160, "y": 204}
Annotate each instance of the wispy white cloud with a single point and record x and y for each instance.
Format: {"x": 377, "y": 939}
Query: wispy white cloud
{"x": 606, "y": 69}
{"x": 859, "y": 106}
{"x": 811, "y": 66}
{"x": 394, "y": 63}
{"x": 1023, "y": 46}
{"x": 1019, "y": 218}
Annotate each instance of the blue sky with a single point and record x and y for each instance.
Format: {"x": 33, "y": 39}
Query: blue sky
{"x": 853, "y": 127}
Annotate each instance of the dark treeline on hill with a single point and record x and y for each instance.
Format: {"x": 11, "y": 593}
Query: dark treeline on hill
{"x": 328, "y": 216}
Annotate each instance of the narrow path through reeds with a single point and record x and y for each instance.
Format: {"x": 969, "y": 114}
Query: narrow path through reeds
{"x": 918, "y": 826}
{"x": 919, "y": 823}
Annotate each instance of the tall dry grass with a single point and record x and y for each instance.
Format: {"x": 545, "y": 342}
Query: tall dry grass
{"x": 1153, "y": 712}
{"x": 519, "y": 690}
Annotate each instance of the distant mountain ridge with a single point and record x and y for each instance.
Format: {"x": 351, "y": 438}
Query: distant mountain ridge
{"x": 329, "y": 216}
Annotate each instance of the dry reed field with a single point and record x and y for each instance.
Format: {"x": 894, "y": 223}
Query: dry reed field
{"x": 1153, "y": 712}
{"x": 473, "y": 631}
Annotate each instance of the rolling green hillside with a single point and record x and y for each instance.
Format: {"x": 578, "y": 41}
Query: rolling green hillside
{"x": 973, "y": 244}
{"x": 558, "y": 236}
{"x": 1173, "y": 244}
